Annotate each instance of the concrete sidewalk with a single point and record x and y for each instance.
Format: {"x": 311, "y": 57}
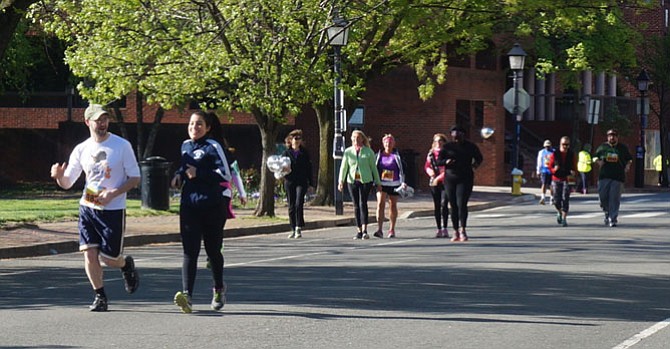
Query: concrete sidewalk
{"x": 62, "y": 237}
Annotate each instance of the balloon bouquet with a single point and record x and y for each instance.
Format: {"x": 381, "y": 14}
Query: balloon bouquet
{"x": 279, "y": 165}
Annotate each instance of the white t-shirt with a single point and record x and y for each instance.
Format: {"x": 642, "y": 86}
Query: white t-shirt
{"x": 106, "y": 165}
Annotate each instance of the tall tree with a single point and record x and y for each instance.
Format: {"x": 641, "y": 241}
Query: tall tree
{"x": 656, "y": 59}
{"x": 11, "y": 13}
{"x": 254, "y": 56}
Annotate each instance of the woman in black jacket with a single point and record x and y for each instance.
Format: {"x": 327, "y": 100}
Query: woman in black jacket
{"x": 297, "y": 182}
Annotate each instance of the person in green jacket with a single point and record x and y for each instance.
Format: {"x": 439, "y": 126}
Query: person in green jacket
{"x": 359, "y": 171}
{"x": 584, "y": 167}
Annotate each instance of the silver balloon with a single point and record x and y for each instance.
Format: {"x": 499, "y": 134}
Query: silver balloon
{"x": 274, "y": 163}
{"x": 487, "y": 132}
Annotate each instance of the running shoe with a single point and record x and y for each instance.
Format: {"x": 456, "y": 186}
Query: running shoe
{"x": 445, "y": 233}
{"x": 463, "y": 237}
{"x": 358, "y": 236}
{"x": 298, "y": 233}
{"x": 613, "y": 223}
{"x": 183, "y": 301}
{"x": 365, "y": 235}
{"x": 292, "y": 235}
{"x": 391, "y": 234}
{"x": 99, "y": 303}
{"x": 439, "y": 234}
{"x": 218, "y": 298}
{"x": 378, "y": 234}
{"x": 457, "y": 237}
{"x": 542, "y": 201}
{"x": 559, "y": 218}
{"x": 131, "y": 278}
{"x": 564, "y": 223}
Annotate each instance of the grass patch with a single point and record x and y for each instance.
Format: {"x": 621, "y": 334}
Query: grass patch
{"x": 22, "y": 211}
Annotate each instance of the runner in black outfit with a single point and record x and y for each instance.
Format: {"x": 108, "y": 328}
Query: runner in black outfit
{"x": 460, "y": 158}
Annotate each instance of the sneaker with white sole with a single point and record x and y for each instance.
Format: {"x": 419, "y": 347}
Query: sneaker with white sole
{"x": 183, "y": 301}
{"x": 218, "y": 298}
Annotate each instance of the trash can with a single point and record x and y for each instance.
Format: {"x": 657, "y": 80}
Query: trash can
{"x": 155, "y": 185}
{"x": 517, "y": 180}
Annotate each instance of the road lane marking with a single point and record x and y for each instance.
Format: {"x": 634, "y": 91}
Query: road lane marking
{"x": 644, "y": 334}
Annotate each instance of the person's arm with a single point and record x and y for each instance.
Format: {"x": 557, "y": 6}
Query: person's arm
{"x": 478, "y": 157}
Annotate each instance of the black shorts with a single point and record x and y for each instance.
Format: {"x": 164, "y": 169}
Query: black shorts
{"x": 102, "y": 229}
{"x": 390, "y": 190}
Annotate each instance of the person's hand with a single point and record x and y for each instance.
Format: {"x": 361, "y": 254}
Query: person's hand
{"x": 106, "y": 196}
{"x": 243, "y": 200}
{"x": 190, "y": 171}
{"x": 340, "y": 186}
{"x": 58, "y": 170}
{"x": 176, "y": 182}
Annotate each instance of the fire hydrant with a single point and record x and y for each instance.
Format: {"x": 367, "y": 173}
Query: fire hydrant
{"x": 517, "y": 180}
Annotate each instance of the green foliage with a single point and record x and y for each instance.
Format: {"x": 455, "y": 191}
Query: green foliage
{"x": 615, "y": 120}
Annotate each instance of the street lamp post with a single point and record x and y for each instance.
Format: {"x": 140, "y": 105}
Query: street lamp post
{"x": 338, "y": 34}
{"x": 643, "y": 87}
{"x": 516, "y": 56}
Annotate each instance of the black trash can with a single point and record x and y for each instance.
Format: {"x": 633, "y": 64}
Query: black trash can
{"x": 155, "y": 185}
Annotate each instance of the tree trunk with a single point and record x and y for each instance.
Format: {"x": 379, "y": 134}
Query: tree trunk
{"x": 139, "y": 113}
{"x": 153, "y": 133}
{"x": 269, "y": 130}
{"x": 326, "y": 174}
{"x": 118, "y": 117}
{"x": 11, "y": 14}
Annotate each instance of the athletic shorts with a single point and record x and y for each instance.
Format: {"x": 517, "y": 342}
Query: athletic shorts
{"x": 102, "y": 229}
{"x": 390, "y": 190}
{"x": 545, "y": 178}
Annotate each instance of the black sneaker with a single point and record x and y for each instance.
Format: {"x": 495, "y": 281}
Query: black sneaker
{"x": 99, "y": 304}
{"x": 358, "y": 236}
{"x": 378, "y": 234}
{"x": 131, "y": 278}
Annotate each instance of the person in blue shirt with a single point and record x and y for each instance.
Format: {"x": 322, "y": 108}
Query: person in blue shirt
{"x": 544, "y": 172}
{"x": 202, "y": 169}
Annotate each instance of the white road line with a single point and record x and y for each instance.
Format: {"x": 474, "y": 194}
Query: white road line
{"x": 644, "y": 334}
{"x": 643, "y": 215}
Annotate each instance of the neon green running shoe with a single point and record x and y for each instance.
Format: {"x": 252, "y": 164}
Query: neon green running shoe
{"x": 183, "y": 301}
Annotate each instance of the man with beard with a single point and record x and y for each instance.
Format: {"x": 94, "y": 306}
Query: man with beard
{"x": 614, "y": 161}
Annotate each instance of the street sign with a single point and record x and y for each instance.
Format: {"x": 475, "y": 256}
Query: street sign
{"x": 594, "y": 111}
{"x": 524, "y": 100}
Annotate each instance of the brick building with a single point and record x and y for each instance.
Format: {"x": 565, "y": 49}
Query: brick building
{"x": 35, "y": 134}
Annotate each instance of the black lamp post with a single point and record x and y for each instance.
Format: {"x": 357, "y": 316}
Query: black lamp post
{"x": 516, "y": 56}
{"x": 643, "y": 87}
{"x": 338, "y": 34}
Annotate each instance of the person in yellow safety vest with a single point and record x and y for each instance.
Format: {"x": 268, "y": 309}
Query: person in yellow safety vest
{"x": 584, "y": 167}
{"x": 658, "y": 164}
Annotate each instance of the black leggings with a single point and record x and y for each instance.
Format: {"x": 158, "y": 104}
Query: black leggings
{"x": 458, "y": 193}
{"x": 440, "y": 208}
{"x": 359, "y": 194}
{"x": 295, "y": 195}
{"x": 202, "y": 224}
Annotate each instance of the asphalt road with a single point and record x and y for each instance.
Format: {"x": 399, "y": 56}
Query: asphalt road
{"x": 521, "y": 282}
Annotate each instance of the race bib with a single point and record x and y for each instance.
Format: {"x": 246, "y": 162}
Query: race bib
{"x": 612, "y": 157}
{"x": 387, "y": 175}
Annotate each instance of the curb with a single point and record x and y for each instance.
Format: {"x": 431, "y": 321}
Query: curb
{"x": 146, "y": 239}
